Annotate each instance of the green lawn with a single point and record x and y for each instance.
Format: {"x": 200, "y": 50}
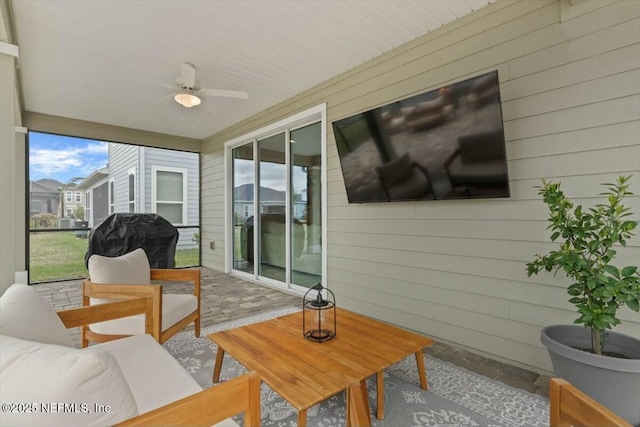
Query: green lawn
{"x": 60, "y": 256}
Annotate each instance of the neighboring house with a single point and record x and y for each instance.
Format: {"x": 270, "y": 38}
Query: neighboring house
{"x": 144, "y": 179}
{"x": 44, "y": 196}
{"x": 95, "y": 192}
{"x": 49, "y": 196}
{"x": 73, "y": 198}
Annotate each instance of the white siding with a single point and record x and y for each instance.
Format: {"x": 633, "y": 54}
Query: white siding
{"x": 175, "y": 159}
{"x": 122, "y": 159}
{"x": 212, "y": 199}
{"x": 455, "y": 270}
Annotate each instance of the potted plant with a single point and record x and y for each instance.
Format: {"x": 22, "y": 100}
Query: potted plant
{"x": 602, "y": 363}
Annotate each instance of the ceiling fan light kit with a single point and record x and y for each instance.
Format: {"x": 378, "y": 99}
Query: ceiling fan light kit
{"x": 190, "y": 91}
{"x": 187, "y": 99}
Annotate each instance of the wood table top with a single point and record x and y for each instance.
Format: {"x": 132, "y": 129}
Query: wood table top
{"x": 304, "y": 372}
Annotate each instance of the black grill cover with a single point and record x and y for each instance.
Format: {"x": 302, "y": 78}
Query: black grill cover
{"x": 122, "y": 233}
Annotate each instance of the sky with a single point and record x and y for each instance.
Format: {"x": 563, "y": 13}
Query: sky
{"x": 62, "y": 157}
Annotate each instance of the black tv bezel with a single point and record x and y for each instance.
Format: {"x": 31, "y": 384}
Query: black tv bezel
{"x": 507, "y": 188}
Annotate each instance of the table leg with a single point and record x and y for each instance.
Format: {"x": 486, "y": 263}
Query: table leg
{"x": 422, "y": 373}
{"x": 218, "y": 367}
{"x": 380, "y": 393}
{"x": 302, "y": 418}
{"x": 358, "y": 412}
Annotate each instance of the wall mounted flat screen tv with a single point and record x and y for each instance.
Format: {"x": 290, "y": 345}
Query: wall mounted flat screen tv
{"x": 447, "y": 143}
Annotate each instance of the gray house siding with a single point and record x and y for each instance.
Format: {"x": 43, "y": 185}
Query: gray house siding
{"x": 100, "y": 203}
{"x": 175, "y": 160}
{"x": 122, "y": 159}
{"x": 144, "y": 160}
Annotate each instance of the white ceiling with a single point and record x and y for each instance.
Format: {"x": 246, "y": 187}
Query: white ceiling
{"x": 109, "y": 61}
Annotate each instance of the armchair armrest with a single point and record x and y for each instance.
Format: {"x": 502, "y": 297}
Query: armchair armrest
{"x": 172, "y": 274}
{"x": 127, "y": 292}
{"x": 208, "y": 407}
{"x": 74, "y": 317}
{"x": 569, "y": 406}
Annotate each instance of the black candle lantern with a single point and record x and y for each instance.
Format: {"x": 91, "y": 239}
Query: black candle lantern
{"x": 319, "y": 315}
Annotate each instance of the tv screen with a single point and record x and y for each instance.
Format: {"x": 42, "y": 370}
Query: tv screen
{"x": 447, "y": 143}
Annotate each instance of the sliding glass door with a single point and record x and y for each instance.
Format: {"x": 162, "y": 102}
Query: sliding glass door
{"x": 306, "y": 206}
{"x": 242, "y": 218}
{"x": 277, "y": 206}
{"x": 272, "y": 203}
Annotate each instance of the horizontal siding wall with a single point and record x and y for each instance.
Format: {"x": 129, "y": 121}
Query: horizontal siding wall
{"x": 212, "y": 201}
{"x": 455, "y": 270}
{"x": 174, "y": 159}
{"x": 122, "y": 158}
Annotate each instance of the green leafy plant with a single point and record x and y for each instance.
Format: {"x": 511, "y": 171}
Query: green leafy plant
{"x": 587, "y": 241}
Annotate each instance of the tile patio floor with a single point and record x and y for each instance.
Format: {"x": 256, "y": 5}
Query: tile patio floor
{"x": 226, "y": 297}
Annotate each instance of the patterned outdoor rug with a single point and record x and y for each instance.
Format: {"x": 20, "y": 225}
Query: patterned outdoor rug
{"x": 456, "y": 396}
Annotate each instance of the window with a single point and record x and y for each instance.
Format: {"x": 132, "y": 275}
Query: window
{"x": 112, "y": 195}
{"x": 68, "y": 196}
{"x": 169, "y": 194}
{"x": 132, "y": 190}
{"x": 78, "y": 196}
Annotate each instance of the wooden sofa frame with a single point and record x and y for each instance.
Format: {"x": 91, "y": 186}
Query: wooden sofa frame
{"x": 208, "y": 407}
{"x": 153, "y": 291}
{"x": 571, "y": 407}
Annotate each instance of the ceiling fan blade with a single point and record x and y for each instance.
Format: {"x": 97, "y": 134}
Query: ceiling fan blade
{"x": 163, "y": 98}
{"x": 188, "y": 72}
{"x": 226, "y": 93}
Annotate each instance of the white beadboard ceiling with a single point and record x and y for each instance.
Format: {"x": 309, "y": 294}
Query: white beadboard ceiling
{"x": 109, "y": 61}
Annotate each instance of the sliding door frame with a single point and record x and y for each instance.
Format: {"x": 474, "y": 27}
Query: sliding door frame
{"x": 304, "y": 118}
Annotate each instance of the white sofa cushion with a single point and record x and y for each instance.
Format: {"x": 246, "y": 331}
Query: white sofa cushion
{"x": 154, "y": 376}
{"x": 131, "y": 268}
{"x": 175, "y": 307}
{"x": 25, "y": 314}
{"x": 36, "y": 373}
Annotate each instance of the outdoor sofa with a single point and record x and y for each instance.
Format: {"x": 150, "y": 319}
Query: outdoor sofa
{"x": 46, "y": 381}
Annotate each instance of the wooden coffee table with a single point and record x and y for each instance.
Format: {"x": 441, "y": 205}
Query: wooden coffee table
{"x": 305, "y": 373}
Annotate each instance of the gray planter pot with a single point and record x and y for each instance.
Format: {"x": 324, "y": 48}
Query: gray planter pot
{"x": 611, "y": 381}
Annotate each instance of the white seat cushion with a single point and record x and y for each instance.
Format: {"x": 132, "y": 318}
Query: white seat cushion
{"x": 47, "y": 374}
{"x": 154, "y": 376}
{"x": 26, "y": 315}
{"x": 175, "y": 307}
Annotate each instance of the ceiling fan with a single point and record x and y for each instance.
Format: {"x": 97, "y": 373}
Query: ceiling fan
{"x": 189, "y": 90}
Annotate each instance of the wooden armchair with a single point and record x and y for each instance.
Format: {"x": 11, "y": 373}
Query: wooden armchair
{"x": 571, "y": 407}
{"x": 128, "y": 277}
